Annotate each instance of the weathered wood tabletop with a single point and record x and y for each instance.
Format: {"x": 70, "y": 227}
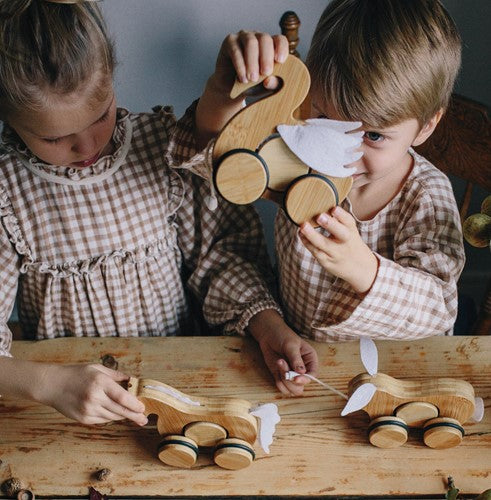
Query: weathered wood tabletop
{"x": 315, "y": 451}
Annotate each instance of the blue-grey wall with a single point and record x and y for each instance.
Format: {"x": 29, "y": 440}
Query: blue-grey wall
{"x": 167, "y": 50}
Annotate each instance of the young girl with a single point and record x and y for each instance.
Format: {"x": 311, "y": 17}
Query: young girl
{"x": 105, "y": 227}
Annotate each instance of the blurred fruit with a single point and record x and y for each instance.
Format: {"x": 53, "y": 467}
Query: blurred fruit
{"x": 477, "y": 230}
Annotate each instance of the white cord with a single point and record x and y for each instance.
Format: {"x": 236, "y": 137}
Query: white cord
{"x": 291, "y": 375}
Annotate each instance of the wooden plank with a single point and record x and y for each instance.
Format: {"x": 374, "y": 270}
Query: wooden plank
{"x": 315, "y": 451}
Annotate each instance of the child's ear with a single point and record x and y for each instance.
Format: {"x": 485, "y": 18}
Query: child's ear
{"x": 428, "y": 128}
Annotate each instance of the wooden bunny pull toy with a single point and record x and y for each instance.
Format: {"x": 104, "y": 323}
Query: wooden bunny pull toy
{"x": 252, "y": 161}
{"x": 226, "y": 426}
{"x": 439, "y": 406}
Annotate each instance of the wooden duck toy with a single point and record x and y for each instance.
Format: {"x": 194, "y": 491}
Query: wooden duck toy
{"x": 251, "y": 160}
{"x": 439, "y": 406}
{"x": 226, "y": 426}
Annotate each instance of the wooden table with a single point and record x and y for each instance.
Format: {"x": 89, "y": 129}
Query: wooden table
{"x": 315, "y": 452}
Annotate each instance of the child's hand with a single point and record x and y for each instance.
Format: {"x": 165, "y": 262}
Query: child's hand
{"x": 248, "y": 55}
{"x": 90, "y": 394}
{"x": 343, "y": 253}
{"x": 244, "y": 56}
{"x": 283, "y": 350}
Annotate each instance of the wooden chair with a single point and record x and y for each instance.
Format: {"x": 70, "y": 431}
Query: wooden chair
{"x": 459, "y": 147}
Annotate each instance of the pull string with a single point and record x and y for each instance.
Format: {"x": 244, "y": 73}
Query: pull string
{"x": 291, "y": 375}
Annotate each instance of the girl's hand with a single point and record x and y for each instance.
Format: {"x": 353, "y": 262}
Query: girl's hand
{"x": 343, "y": 253}
{"x": 283, "y": 350}
{"x": 245, "y": 56}
{"x": 90, "y": 394}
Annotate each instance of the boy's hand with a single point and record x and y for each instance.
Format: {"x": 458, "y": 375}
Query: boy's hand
{"x": 343, "y": 253}
{"x": 244, "y": 56}
{"x": 90, "y": 394}
{"x": 283, "y": 350}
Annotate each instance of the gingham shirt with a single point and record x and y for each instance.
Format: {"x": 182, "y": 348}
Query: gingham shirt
{"x": 417, "y": 238}
{"x": 119, "y": 247}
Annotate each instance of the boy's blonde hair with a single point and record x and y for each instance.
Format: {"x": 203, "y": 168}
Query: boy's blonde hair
{"x": 48, "y": 48}
{"x": 385, "y": 61}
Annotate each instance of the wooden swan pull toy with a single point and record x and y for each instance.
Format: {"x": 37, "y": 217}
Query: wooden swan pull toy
{"x": 251, "y": 159}
{"x": 440, "y": 406}
{"x": 227, "y": 426}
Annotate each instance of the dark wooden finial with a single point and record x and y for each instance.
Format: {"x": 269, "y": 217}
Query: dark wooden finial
{"x": 289, "y": 24}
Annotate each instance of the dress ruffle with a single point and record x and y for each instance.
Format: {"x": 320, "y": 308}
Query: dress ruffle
{"x": 12, "y": 226}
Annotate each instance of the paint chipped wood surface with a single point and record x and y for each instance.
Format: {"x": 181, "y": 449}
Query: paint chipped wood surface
{"x": 315, "y": 451}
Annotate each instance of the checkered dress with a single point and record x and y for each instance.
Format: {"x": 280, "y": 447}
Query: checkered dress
{"x": 119, "y": 248}
{"x": 417, "y": 238}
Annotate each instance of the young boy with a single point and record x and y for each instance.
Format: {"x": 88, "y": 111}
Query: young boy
{"x": 385, "y": 263}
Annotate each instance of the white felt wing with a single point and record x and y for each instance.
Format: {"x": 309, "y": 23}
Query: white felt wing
{"x": 268, "y": 418}
{"x": 324, "y": 145}
{"x": 369, "y": 355}
{"x": 478, "y": 410}
{"x": 359, "y": 399}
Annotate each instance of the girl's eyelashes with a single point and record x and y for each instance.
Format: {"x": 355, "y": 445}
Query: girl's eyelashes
{"x": 373, "y": 136}
{"x": 56, "y": 140}
{"x": 104, "y": 117}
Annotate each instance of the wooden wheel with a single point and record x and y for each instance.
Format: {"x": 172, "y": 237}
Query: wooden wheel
{"x": 308, "y": 196}
{"x": 241, "y": 176}
{"x": 283, "y": 165}
{"x": 415, "y": 414}
{"x": 234, "y": 454}
{"x": 387, "y": 432}
{"x": 178, "y": 451}
{"x": 205, "y": 434}
{"x": 443, "y": 432}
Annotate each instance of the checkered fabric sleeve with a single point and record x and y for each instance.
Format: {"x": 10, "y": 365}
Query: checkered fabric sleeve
{"x": 417, "y": 239}
{"x": 223, "y": 247}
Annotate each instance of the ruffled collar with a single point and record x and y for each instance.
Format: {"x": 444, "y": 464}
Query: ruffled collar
{"x": 104, "y": 167}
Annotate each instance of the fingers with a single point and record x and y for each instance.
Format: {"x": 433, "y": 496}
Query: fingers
{"x": 281, "y": 48}
{"x": 339, "y": 223}
{"x": 124, "y": 404}
{"x": 232, "y": 48}
{"x": 309, "y": 356}
{"x": 116, "y": 375}
{"x": 253, "y": 54}
{"x": 288, "y": 387}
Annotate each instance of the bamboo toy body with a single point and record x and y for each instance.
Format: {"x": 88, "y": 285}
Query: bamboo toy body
{"x": 439, "y": 406}
{"x": 223, "y": 425}
{"x": 251, "y": 161}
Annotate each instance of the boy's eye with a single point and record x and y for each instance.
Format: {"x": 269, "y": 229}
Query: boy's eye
{"x": 374, "y": 136}
{"x": 52, "y": 141}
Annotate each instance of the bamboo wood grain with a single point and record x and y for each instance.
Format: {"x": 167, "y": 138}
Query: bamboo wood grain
{"x": 174, "y": 415}
{"x": 454, "y": 398}
{"x": 315, "y": 451}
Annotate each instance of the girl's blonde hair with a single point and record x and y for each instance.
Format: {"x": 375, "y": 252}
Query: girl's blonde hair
{"x": 385, "y": 61}
{"x": 48, "y": 48}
